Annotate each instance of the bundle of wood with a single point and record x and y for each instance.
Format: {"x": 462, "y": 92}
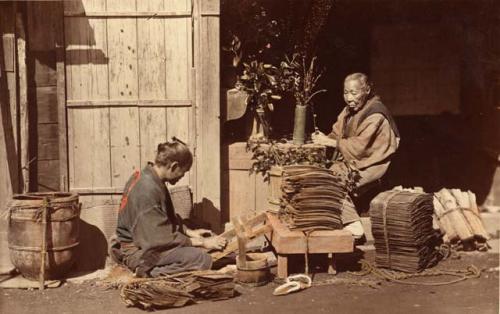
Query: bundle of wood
{"x": 457, "y": 216}
{"x": 312, "y": 198}
{"x": 178, "y": 290}
{"x": 402, "y": 230}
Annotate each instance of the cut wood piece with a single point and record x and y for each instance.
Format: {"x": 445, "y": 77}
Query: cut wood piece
{"x": 444, "y": 221}
{"x": 472, "y": 201}
{"x": 461, "y": 197}
{"x": 242, "y": 239}
{"x": 257, "y": 229}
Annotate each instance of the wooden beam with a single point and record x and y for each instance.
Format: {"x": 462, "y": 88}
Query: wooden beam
{"x": 117, "y": 14}
{"x": 23, "y": 100}
{"x": 97, "y": 190}
{"x": 129, "y": 103}
{"x": 61, "y": 102}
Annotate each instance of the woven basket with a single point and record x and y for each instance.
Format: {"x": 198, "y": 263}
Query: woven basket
{"x": 182, "y": 200}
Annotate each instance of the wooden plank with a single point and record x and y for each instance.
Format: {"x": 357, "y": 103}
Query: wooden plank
{"x": 47, "y": 175}
{"x": 89, "y": 148}
{"x": 129, "y": 103}
{"x": 46, "y": 98}
{"x": 151, "y": 76}
{"x": 98, "y": 190}
{"x": 261, "y": 193}
{"x": 45, "y": 67}
{"x": 61, "y": 100}
{"x": 139, "y": 14}
{"x": 210, "y": 7}
{"x": 123, "y": 84}
{"x": 23, "y": 100}
{"x": 9, "y": 168}
{"x": 151, "y": 53}
{"x": 241, "y": 193}
{"x": 82, "y": 6}
{"x": 42, "y": 19}
{"x": 121, "y": 6}
{"x": 86, "y": 59}
{"x": 122, "y": 53}
{"x": 125, "y": 155}
{"x": 153, "y": 132}
{"x": 210, "y": 113}
{"x": 48, "y": 142}
{"x": 286, "y": 241}
{"x": 14, "y": 110}
{"x": 9, "y": 53}
{"x": 177, "y": 54}
{"x": 178, "y": 126}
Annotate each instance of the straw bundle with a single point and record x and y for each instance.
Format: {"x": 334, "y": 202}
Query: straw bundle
{"x": 178, "y": 290}
{"x": 402, "y": 230}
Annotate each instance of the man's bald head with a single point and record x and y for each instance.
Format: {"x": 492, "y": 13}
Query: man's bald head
{"x": 357, "y": 88}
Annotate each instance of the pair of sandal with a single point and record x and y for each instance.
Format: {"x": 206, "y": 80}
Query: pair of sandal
{"x": 293, "y": 283}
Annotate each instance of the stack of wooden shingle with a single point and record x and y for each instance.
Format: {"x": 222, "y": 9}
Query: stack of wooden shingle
{"x": 402, "y": 230}
{"x": 312, "y": 198}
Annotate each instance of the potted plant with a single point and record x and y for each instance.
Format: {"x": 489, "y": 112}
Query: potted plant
{"x": 300, "y": 76}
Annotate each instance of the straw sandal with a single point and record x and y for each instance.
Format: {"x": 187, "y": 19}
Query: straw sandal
{"x": 293, "y": 283}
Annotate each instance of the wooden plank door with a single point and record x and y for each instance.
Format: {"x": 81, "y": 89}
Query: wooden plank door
{"x": 129, "y": 78}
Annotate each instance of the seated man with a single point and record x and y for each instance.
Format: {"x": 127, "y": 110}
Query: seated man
{"x": 365, "y": 136}
{"x": 150, "y": 238}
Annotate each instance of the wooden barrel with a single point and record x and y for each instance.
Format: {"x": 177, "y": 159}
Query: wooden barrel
{"x": 26, "y": 229}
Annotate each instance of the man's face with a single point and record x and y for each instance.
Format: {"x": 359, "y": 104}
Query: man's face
{"x": 355, "y": 94}
{"x": 174, "y": 173}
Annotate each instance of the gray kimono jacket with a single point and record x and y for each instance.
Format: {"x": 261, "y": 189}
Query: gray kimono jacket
{"x": 147, "y": 224}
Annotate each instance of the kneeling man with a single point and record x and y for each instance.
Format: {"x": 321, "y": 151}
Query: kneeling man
{"x": 150, "y": 238}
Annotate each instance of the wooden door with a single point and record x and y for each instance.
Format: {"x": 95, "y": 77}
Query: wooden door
{"x": 132, "y": 67}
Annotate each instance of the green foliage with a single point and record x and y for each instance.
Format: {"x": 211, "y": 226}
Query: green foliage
{"x": 276, "y": 154}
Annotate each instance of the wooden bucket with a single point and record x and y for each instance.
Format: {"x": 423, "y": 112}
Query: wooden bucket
{"x": 256, "y": 271}
{"x": 26, "y": 230}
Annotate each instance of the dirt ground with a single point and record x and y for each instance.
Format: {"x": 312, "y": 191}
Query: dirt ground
{"x": 470, "y": 296}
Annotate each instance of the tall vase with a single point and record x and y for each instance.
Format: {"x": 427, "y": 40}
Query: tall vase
{"x": 254, "y": 129}
{"x": 299, "y": 125}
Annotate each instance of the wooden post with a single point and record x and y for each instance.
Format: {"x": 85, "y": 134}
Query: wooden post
{"x": 242, "y": 243}
{"x": 61, "y": 100}
{"x": 23, "y": 100}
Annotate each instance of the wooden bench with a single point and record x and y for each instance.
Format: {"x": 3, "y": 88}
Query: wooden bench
{"x": 286, "y": 242}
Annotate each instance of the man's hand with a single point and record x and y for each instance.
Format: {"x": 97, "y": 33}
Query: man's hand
{"x": 321, "y": 139}
{"x": 199, "y": 233}
{"x": 214, "y": 243}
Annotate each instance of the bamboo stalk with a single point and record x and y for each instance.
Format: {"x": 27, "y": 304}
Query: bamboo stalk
{"x": 444, "y": 221}
{"x": 456, "y": 216}
{"x": 473, "y": 202}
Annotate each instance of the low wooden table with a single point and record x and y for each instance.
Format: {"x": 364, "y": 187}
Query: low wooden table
{"x": 286, "y": 242}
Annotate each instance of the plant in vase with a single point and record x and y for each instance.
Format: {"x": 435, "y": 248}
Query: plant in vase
{"x": 300, "y": 76}
{"x": 259, "y": 83}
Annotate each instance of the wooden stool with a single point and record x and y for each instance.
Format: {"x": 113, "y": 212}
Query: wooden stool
{"x": 286, "y": 242}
